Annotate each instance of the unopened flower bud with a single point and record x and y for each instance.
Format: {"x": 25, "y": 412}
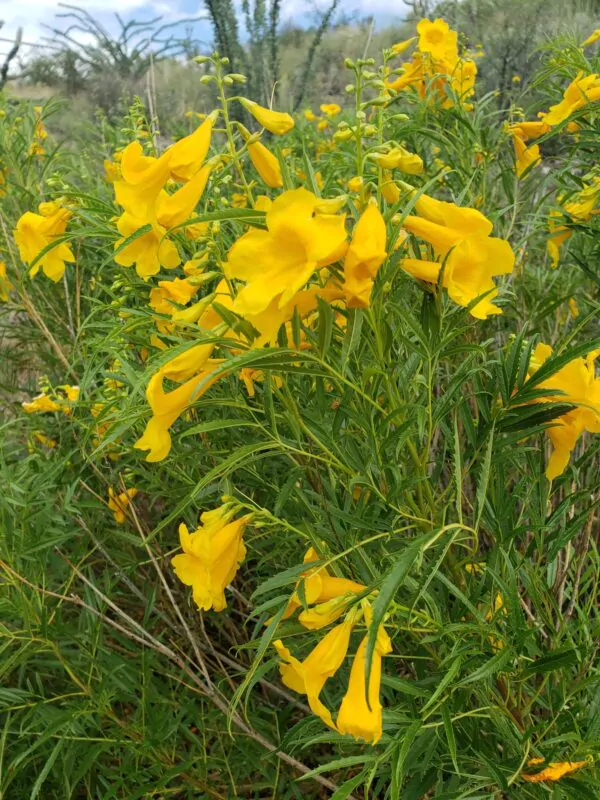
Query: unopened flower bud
{"x": 376, "y": 101}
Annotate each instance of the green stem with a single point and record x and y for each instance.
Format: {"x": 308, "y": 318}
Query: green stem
{"x": 229, "y": 132}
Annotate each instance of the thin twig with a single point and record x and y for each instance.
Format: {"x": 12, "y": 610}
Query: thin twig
{"x": 221, "y": 704}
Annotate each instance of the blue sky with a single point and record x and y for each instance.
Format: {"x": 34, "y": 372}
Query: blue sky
{"x": 32, "y": 15}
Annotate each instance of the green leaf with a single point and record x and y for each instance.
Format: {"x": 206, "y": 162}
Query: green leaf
{"x": 390, "y": 585}
{"x": 495, "y": 664}
{"x": 325, "y": 326}
{"x": 446, "y": 680}
{"x": 450, "y": 738}
{"x": 265, "y": 641}
{"x": 557, "y": 660}
{"x": 339, "y": 763}
{"x": 348, "y": 786}
{"x": 398, "y": 767}
{"x": 484, "y": 478}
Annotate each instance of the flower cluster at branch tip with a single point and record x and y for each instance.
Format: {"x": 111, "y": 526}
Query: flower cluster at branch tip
{"x": 436, "y": 66}
{"x": 118, "y": 503}
{"x": 149, "y": 211}
{"x": 583, "y": 90}
{"x": 38, "y": 237}
{"x": 578, "y": 209}
{"x": 62, "y": 399}
{"x": 468, "y": 258}
{"x": 211, "y": 555}
{"x": 324, "y": 599}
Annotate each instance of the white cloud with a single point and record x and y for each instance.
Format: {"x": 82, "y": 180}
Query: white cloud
{"x": 33, "y": 15}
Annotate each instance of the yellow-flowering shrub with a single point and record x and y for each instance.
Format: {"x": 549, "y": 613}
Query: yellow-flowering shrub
{"x": 343, "y": 349}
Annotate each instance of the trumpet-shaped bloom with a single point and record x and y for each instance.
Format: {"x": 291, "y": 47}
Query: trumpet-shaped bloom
{"x": 173, "y": 209}
{"x": 364, "y": 257}
{"x": 278, "y": 262}
{"x": 41, "y": 404}
{"x": 249, "y": 375}
{"x": 357, "y": 717}
{"x": 149, "y": 251}
{"x": 389, "y": 189}
{"x": 581, "y": 91}
{"x": 211, "y": 556}
{"x": 276, "y": 122}
{"x": 309, "y": 676}
{"x": 72, "y": 393}
{"x": 328, "y": 611}
{"x": 152, "y": 250}
{"x": 266, "y": 164}
{"x": 168, "y": 295}
{"x": 330, "y": 109}
{"x": 320, "y": 587}
{"x": 439, "y": 40}
{"x": 400, "y": 158}
{"x": 34, "y": 232}
{"x": 142, "y": 178}
{"x": 186, "y": 156}
{"x": 466, "y": 221}
{"x": 525, "y": 156}
{"x": 580, "y": 208}
{"x": 436, "y": 66}
{"x": 462, "y": 81}
{"x": 441, "y": 237}
{"x": 146, "y": 204}
{"x": 592, "y": 38}
{"x": 469, "y": 271}
{"x": 579, "y": 386}
{"x": 529, "y": 130}
{"x": 413, "y": 74}
{"x": 472, "y": 257}
{"x": 44, "y": 440}
{"x": 167, "y": 407}
{"x": 118, "y": 503}
{"x": 554, "y": 771}
{"x": 400, "y": 47}
{"x": 187, "y": 364}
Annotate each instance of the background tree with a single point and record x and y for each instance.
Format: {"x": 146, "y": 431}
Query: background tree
{"x": 10, "y": 56}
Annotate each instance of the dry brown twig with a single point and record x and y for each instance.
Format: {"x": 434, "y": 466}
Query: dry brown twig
{"x": 140, "y": 635}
